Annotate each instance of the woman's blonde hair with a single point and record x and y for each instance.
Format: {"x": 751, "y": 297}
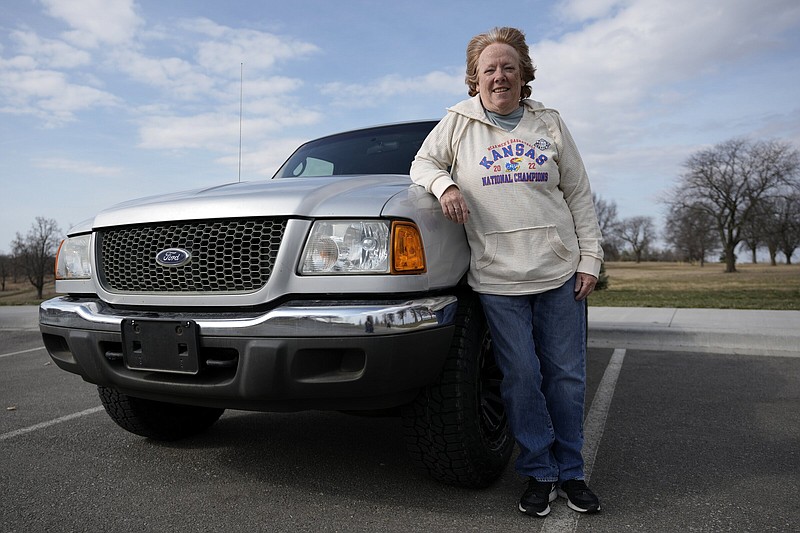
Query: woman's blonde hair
{"x": 510, "y": 36}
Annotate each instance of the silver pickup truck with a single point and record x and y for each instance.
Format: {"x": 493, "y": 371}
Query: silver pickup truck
{"x": 336, "y": 285}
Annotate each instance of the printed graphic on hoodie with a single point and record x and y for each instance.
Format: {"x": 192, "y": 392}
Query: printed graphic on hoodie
{"x": 515, "y": 161}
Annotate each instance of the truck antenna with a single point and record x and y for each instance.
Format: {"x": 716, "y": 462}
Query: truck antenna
{"x": 241, "y": 92}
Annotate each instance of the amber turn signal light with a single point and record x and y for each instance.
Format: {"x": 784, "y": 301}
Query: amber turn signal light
{"x": 408, "y": 255}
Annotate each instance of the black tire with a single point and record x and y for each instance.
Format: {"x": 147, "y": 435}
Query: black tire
{"x": 156, "y": 420}
{"x": 457, "y": 429}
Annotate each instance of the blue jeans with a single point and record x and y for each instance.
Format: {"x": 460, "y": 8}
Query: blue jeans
{"x": 539, "y": 342}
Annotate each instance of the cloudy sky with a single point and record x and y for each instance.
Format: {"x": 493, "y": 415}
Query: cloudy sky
{"x": 106, "y": 100}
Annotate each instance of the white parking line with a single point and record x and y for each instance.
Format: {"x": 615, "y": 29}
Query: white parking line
{"x": 49, "y": 423}
{"x": 562, "y": 519}
{"x": 20, "y": 352}
{"x": 595, "y": 422}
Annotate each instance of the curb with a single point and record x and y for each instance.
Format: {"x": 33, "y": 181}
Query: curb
{"x": 696, "y": 340}
{"x": 727, "y": 331}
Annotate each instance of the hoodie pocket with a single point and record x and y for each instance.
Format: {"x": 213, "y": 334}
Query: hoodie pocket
{"x": 526, "y": 254}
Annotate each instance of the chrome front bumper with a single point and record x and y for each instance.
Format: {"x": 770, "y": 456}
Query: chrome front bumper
{"x": 297, "y": 318}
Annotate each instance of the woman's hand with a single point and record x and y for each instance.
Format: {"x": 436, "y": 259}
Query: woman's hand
{"x": 584, "y": 285}
{"x": 453, "y": 205}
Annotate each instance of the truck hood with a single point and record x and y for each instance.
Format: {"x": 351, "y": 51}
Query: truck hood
{"x": 314, "y": 197}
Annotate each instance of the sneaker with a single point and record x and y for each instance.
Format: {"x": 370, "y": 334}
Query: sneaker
{"x": 536, "y": 499}
{"x": 579, "y": 497}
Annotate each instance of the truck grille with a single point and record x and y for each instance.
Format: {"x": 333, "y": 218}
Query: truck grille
{"x": 227, "y": 256}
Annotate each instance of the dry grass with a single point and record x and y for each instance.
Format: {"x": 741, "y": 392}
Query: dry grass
{"x": 759, "y": 286}
{"x": 22, "y": 292}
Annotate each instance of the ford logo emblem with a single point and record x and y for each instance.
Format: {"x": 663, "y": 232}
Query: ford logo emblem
{"x": 173, "y": 257}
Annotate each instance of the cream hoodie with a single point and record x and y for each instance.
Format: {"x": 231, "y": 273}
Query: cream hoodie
{"x": 532, "y": 223}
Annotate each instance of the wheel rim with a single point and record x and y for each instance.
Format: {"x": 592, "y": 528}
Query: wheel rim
{"x": 494, "y": 421}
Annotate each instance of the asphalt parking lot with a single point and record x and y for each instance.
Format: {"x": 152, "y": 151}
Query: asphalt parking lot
{"x": 676, "y": 441}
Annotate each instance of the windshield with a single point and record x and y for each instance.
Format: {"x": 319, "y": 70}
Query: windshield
{"x": 380, "y": 150}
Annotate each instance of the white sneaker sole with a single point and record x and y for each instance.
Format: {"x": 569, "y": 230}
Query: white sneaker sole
{"x": 551, "y": 498}
{"x": 575, "y": 507}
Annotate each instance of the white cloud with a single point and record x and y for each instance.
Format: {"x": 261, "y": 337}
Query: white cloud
{"x": 269, "y": 86}
{"x": 208, "y": 74}
{"x": 581, "y": 10}
{"x": 211, "y": 131}
{"x": 34, "y": 81}
{"x": 50, "y": 52}
{"x": 172, "y": 74}
{"x": 198, "y": 64}
{"x": 391, "y": 86}
{"x": 48, "y": 95}
{"x": 228, "y": 47}
{"x": 632, "y": 64}
{"x": 70, "y": 166}
{"x": 96, "y": 22}
{"x": 217, "y": 131}
{"x": 17, "y": 63}
{"x": 204, "y": 26}
{"x": 279, "y": 112}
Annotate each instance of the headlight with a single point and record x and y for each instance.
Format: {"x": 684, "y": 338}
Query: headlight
{"x": 363, "y": 247}
{"x": 347, "y": 247}
{"x": 72, "y": 260}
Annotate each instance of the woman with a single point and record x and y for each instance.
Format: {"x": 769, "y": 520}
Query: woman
{"x": 508, "y": 169}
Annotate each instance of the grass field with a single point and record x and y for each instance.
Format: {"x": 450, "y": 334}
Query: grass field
{"x": 22, "y": 292}
{"x": 758, "y": 286}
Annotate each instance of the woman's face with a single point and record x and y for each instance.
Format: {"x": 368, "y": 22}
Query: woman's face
{"x": 499, "y": 79}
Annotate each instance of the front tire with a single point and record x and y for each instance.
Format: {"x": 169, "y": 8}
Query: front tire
{"x": 456, "y": 428}
{"x": 156, "y": 420}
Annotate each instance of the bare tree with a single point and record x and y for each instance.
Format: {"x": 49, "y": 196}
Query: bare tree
{"x": 608, "y": 221}
{"x": 753, "y": 237}
{"x": 690, "y": 232}
{"x": 776, "y": 224}
{"x": 771, "y": 238}
{"x": 15, "y": 261}
{"x": 730, "y": 182}
{"x": 639, "y": 233}
{"x": 5, "y": 270}
{"x": 784, "y": 225}
{"x": 36, "y": 251}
